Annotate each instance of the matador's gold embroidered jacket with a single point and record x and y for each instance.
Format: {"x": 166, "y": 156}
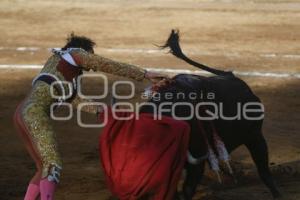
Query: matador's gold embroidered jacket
{"x": 64, "y": 66}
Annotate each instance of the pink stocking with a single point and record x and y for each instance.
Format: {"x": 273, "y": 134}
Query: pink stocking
{"x": 32, "y": 192}
{"x": 47, "y": 189}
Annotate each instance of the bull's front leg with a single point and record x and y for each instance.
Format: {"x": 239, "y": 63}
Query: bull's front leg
{"x": 194, "y": 174}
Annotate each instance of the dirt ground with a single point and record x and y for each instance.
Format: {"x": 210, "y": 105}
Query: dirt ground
{"x": 258, "y": 35}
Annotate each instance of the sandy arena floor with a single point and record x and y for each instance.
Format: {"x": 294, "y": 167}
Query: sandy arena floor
{"x": 261, "y": 35}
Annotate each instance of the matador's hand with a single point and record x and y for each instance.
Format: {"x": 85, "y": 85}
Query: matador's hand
{"x": 155, "y": 77}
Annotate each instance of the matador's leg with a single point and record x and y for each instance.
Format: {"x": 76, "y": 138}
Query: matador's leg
{"x": 38, "y": 123}
{"x": 33, "y": 190}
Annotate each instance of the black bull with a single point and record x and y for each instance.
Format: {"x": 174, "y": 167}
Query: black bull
{"x": 234, "y": 94}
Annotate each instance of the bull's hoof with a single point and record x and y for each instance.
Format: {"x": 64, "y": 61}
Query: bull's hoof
{"x": 277, "y": 195}
{"x": 179, "y": 196}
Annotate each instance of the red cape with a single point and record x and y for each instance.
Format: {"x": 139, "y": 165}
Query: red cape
{"x": 144, "y": 157}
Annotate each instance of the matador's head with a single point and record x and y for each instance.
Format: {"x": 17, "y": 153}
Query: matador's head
{"x": 74, "y": 41}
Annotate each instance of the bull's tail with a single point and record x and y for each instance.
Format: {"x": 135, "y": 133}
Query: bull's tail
{"x": 173, "y": 44}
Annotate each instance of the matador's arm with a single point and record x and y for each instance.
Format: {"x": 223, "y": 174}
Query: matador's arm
{"x": 89, "y": 61}
{"x": 89, "y": 107}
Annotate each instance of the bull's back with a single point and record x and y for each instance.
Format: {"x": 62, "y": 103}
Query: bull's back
{"x": 231, "y": 95}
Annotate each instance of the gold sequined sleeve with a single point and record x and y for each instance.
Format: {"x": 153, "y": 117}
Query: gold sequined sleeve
{"x": 98, "y": 63}
{"x": 87, "y": 105}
